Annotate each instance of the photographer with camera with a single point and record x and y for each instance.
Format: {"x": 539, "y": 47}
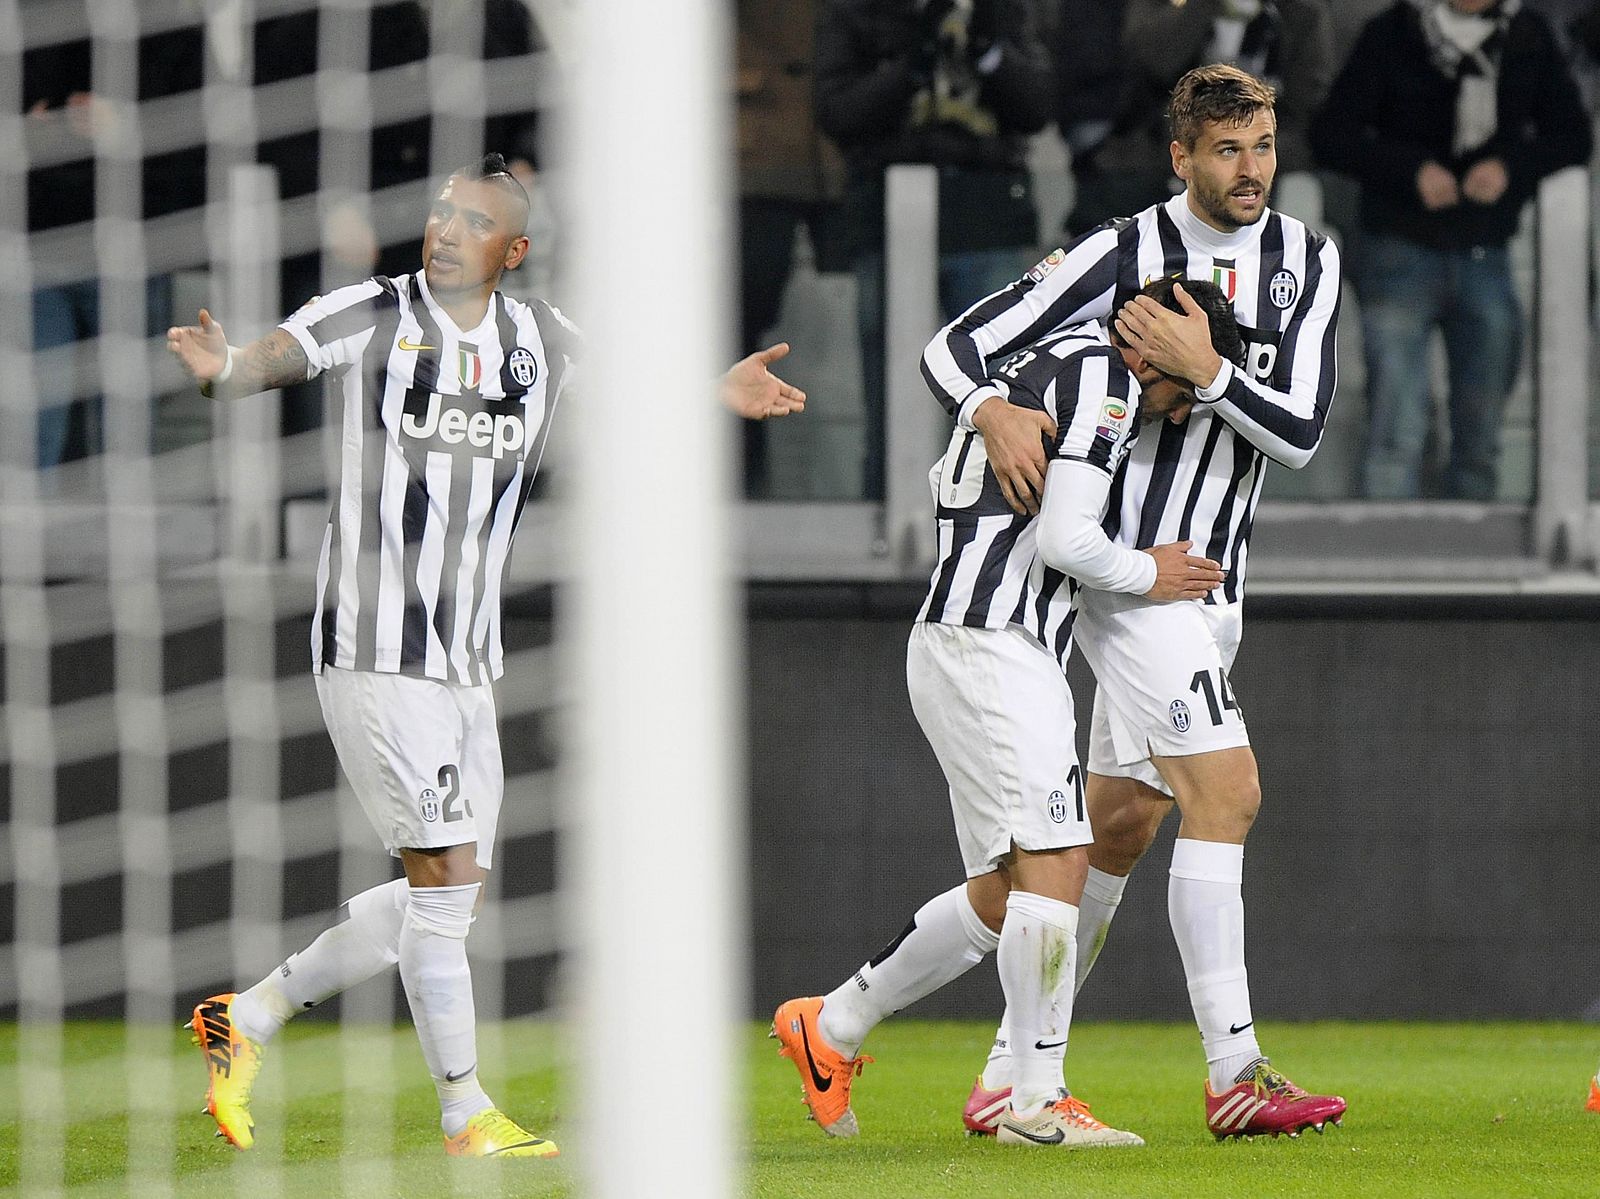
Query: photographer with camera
{"x": 958, "y": 84}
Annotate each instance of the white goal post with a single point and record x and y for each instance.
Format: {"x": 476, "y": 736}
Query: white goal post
{"x": 661, "y": 838}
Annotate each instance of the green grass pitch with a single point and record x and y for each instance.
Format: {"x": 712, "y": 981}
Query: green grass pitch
{"x": 1457, "y": 1110}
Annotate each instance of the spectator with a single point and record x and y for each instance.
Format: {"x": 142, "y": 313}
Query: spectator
{"x": 1340, "y": 194}
{"x": 955, "y": 83}
{"x": 1448, "y": 113}
{"x": 1285, "y": 43}
{"x": 1584, "y": 25}
{"x": 1092, "y": 92}
{"x": 789, "y": 176}
{"x": 1350, "y": 17}
{"x": 1577, "y": 26}
{"x": 288, "y": 46}
{"x": 58, "y": 92}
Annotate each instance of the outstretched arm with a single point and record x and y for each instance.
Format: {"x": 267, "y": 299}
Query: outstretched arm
{"x": 750, "y": 390}
{"x": 227, "y": 372}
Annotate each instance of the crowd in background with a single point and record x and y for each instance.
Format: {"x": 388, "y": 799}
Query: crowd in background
{"x": 59, "y": 89}
{"x": 1417, "y": 129}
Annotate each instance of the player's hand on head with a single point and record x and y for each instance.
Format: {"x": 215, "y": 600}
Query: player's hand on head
{"x": 752, "y": 391}
{"x": 1181, "y": 575}
{"x": 1013, "y": 441}
{"x": 1174, "y": 343}
{"x": 202, "y": 348}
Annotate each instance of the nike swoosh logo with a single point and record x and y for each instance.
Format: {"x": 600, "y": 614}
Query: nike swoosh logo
{"x": 458, "y": 1077}
{"x": 1048, "y": 1044}
{"x": 412, "y": 345}
{"x": 1240, "y": 1027}
{"x": 1054, "y": 1138}
{"x": 821, "y": 1083}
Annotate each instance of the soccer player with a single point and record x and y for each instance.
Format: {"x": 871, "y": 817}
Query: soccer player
{"x": 1155, "y": 735}
{"x": 448, "y": 389}
{"x": 988, "y": 690}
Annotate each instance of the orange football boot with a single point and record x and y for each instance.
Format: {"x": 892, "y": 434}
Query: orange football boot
{"x": 825, "y": 1073}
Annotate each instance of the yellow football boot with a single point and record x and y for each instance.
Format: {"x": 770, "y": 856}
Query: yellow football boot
{"x": 232, "y": 1061}
{"x": 492, "y": 1133}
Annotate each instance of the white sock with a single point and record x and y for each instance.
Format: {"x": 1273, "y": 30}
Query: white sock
{"x": 363, "y": 940}
{"x": 1206, "y": 905}
{"x": 1038, "y": 946}
{"x": 438, "y": 981}
{"x": 944, "y": 940}
{"x": 1102, "y": 893}
{"x": 996, "y": 1074}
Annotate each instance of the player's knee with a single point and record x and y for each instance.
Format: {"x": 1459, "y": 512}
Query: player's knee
{"x": 987, "y": 894}
{"x": 452, "y": 866}
{"x": 1244, "y": 801}
{"x": 1121, "y": 837}
{"x": 442, "y": 911}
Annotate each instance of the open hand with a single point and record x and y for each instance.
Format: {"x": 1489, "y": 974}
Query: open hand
{"x": 1013, "y": 441}
{"x": 1175, "y": 344}
{"x": 750, "y": 390}
{"x": 1181, "y": 575}
{"x": 202, "y": 348}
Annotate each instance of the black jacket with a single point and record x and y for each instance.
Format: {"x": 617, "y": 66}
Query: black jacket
{"x": 871, "y": 62}
{"x": 1162, "y": 40}
{"x": 1390, "y": 110}
{"x": 170, "y": 62}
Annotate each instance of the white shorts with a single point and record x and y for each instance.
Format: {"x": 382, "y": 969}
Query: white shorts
{"x": 996, "y": 708}
{"x": 1162, "y": 675}
{"x": 423, "y": 757}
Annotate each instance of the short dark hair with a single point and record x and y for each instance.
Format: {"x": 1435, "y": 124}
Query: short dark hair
{"x": 1225, "y": 337}
{"x": 492, "y": 169}
{"x": 1217, "y": 93}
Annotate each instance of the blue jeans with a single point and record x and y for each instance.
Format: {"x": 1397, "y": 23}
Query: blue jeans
{"x": 70, "y": 313}
{"x": 964, "y": 278}
{"x": 1407, "y": 291}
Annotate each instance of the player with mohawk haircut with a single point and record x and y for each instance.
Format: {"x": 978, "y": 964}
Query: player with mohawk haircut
{"x": 448, "y": 388}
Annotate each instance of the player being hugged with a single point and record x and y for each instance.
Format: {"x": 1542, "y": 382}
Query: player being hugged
{"x": 984, "y": 674}
{"x": 1166, "y": 724}
{"x": 448, "y": 389}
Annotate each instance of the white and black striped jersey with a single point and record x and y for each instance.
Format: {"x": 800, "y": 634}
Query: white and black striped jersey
{"x": 442, "y": 432}
{"x": 1199, "y": 480}
{"x": 988, "y": 574}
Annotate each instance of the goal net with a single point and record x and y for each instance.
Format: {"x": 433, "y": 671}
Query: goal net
{"x": 175, "y": 819}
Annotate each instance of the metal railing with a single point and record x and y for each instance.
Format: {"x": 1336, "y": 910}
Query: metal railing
{"x": 1550, "y": 544}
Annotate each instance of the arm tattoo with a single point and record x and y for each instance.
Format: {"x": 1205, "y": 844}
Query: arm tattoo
{"x": 275, "y": 360}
